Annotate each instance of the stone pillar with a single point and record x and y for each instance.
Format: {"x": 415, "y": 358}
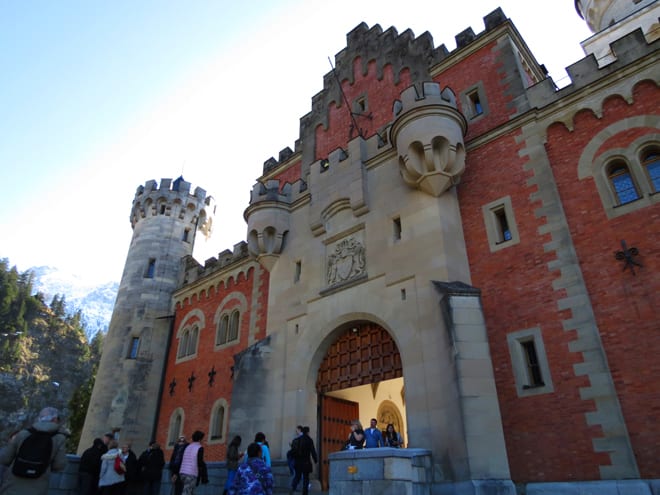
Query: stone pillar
{"x": 482, "y": 422}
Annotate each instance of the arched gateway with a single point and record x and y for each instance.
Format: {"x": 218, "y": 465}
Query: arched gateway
{"x": 360, "y": 377}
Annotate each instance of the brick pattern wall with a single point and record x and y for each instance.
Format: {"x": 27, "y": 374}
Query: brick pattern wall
{"x": 517, "y": 293}
{"x": 381, "y": 95}
{"x": 625, "y": 305}
{"x": 197, "y": 403}
{"x": 571, "y": 287}
{"x": 290, "y": 175}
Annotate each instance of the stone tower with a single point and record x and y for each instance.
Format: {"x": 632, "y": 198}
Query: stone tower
{"x": 165, "y": 219}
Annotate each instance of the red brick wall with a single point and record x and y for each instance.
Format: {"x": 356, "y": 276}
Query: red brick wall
{"x": 197, "y": 404}
{"x": 290, "y": 175}
{"x": 625, "y": 305}
{"x": 481, "y": 66}
{"x": 547, "y": 436}
{"x": 517, "y": 294}
{"x": 381, "y": 95}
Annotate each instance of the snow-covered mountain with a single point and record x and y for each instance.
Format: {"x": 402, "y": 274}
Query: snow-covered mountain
{"x": 95, "y": 301}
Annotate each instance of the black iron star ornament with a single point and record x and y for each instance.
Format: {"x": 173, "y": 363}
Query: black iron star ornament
{"x": 191, "y": 380}
{"x": 212, "y": 374}
{"x": 627, "y": 256}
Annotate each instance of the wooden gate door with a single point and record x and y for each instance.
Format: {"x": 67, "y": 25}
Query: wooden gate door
{"x": 336, "y": 417}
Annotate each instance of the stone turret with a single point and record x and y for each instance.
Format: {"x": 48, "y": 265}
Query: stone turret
{"x": 268, "y": 221}
{"x": 428, "y": 135}
{"x": 165, "y": 219}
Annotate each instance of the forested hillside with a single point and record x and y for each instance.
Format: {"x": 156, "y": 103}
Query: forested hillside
{"x": 45, "y": 358}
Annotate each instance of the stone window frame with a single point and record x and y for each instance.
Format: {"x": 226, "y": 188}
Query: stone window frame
{"x": 515, "y": 341}
{"x": 633, "y": 157}
{"x": 596, "y": 167}
{"x": 150, "y": 270}
{"x": 361, "y": 104}
{"x": 397, "y": 229}
{"x": 467, "y": 102}
{"x": 490, "y": 213}
{"x": 188, "y": 336}
{"x": 616, "y": 167}
{"x": 218, "y": 405}
{"x": 224, "y": 314}
{"x": 133, "y": 348}
{"x": 174, "y": 431}
{"x": 646, "y": 161}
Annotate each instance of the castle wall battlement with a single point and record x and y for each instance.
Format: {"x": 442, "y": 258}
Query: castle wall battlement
{"x": 193, "y": 270}
{"x": 628, "y": 49}
{"x": 402, "y": 52}
{"x": 230, "y": 263}
{"x": 173, "y": 198}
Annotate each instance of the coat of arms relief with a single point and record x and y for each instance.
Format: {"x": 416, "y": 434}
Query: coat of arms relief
{"x": 346, "y": 261}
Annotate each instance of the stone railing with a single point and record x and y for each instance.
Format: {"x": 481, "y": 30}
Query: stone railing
{"x": 384, "y": 470}
{"x": 66, "y": 482}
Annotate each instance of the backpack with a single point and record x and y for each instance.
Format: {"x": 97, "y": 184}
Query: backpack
{"x": 120, "y": 467}
{"x": 34, "y": 454}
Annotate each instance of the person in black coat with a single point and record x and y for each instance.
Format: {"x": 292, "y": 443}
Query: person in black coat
{"x": 90, "y": 467}
{"x": 175, "y": 464}
{"x": 132, "y": 475}
{"x": 303, "y": 452}
{"x": 151, "y": 464}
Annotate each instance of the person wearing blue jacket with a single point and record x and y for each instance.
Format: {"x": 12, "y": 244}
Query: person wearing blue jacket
{"x": 373, "y": 436}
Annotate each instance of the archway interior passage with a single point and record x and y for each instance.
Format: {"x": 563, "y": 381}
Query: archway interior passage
{"x": 365, "y": 353}
{"x": 361, "y": 377}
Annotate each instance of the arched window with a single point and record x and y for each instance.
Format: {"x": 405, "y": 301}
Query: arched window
{"x": 192, "y": 341}
{"x": 622, "y": 183}
{"x": 218, "y": 422}
{"x": 233, "y": 326}
{"x": 183, "y": 344}
{"x": 651, "y": 163}
{"x": 218, "y": 425}
{"x": 223, "y": 329}
{"x": 189, "y": 333}
{"x": 176, "y": 426}
{"x": 227, "y": 319}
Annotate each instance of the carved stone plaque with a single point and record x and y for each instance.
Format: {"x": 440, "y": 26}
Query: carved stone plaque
{"x": 346, "y": 261}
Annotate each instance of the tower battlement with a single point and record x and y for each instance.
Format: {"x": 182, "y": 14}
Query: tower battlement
{"x": 173, "y": 198}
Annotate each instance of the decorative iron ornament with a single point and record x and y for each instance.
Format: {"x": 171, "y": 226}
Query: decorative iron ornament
{"x": 172, "y": 386}
{"x": 627, "y": 256}
{"x": 191, "y": 380}
{"x": 212, "y": 374}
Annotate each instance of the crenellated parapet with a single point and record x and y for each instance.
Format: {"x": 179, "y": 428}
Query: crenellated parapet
{"x": 268, "y": 218}
{"x": 193, "y": 271}
{"x": 428, "y": 135}
{"x": 174, "y": 199}
{"x": 283, "y": 157}
{"x": 400, "y": 53}
{"x": 632, "y": 48}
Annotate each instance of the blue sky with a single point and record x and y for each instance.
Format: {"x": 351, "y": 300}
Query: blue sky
{"x": 98, "y": 97}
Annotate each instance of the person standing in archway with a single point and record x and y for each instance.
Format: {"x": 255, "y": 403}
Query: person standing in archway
{"x": 392, "y": 437}
{"x": 373, "y": 436}
{"x": 356, "y": 437}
